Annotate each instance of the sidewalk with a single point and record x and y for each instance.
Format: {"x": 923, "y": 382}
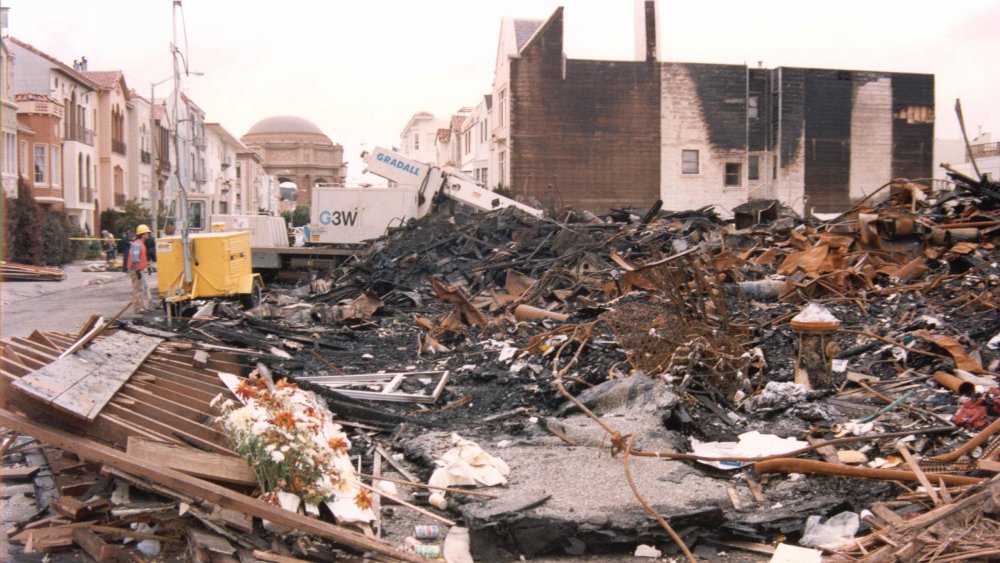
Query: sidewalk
{"x": 64, "y": 305}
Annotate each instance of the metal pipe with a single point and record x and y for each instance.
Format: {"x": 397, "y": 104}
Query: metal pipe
{"x": 972, "y": 444}
{"x": 954, "y": 383}
{"x": 813, "y": 467}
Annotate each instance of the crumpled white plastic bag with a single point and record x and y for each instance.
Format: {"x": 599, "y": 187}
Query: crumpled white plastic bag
{"x": 468, "y": 464}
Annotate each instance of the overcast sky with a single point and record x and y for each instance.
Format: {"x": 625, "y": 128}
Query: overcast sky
{"x": 360, "y": 69}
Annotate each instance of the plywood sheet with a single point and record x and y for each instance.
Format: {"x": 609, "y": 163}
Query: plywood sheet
{"x": 82, "y": 383}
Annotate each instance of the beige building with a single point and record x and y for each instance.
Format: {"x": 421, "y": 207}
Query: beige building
{"x": 296, "y": 150}
{"x": 112, "y": 112}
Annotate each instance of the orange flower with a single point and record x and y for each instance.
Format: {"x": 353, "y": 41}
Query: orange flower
{"x": 245, "y": 391}
{"x": 284, "y": 384}
{"x": 283, "y": 419}
{"x": 363, "y": 499}
{"x": 338, "y": 445}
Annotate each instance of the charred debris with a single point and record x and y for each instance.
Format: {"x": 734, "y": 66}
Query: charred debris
{"x": 495, "y": 386}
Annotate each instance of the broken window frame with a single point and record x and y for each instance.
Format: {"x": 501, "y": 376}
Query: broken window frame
{"x": 686, "y": 162}
{"x": 733, "y": 175}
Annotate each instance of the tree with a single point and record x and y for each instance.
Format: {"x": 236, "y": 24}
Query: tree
{"x": 24, "y": 240}
{"x": 133, "y": 216}
{"x": 298, "y": 217}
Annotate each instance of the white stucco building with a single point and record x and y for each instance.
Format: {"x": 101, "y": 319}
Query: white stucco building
{"x": 220, "y": 164}
{"x": 417, "y": 140}
{"x": 475, "y": 142}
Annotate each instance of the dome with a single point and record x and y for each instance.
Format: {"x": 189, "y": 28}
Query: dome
{"x": 284, "y": 124}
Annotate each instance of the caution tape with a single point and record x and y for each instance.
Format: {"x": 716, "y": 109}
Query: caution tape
{"x": 91, "y": 238}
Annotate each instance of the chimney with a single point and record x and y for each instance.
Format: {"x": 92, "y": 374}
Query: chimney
{"x": 646, "y": 48}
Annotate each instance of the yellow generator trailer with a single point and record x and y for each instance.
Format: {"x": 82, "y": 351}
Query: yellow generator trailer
{"x": 220, "y": 267}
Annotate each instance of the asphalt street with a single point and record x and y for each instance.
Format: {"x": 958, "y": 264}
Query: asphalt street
{"x": 64, "y": 306}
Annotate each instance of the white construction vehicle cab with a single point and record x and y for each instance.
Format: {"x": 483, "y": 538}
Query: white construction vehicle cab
{"x": 342, "y": 215}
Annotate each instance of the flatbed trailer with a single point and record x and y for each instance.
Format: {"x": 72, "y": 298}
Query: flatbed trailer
{"x": 302, "y": 257}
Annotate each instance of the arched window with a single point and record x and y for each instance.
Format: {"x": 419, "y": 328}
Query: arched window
{"x": 90, "y": 187}
{"x": 79, "y": 178}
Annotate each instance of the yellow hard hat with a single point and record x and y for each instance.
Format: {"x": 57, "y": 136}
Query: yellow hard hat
{"x": 141, "y": 230}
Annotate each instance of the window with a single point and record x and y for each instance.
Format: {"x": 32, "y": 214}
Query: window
{"x": 56, "y": 167}
{"x": 416, "y": 141}
{"x": 41, "y": 154}
{"x": 503, "y": 168}
{"x": 9, "y": 154}
{"x": 752, "y": 110}
{"x": 23, "y": 165}
{"x": 753, "y": 168}
{"x": 223, "y": 207}
{"x": 196, "y": 215}
{"x": 734, "y": 174}
{"x": 80, "y": 187}
{"x": 689, "y": 162}
{"x": 502, "y": 119}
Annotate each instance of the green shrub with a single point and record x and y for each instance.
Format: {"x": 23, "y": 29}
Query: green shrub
{"x": 25, "y": 240}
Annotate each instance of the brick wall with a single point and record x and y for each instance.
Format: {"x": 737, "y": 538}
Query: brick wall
{"x": 588, "y": 138}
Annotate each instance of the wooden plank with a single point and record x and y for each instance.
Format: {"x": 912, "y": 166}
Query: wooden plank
{"x": 95, "y": 547}
{"x": 199, "y": 488}
{"x": 82, "y": 383}
{"x": 208, "y": 465}
{"x": 210, "y": 542}
{"x": 236, "y": 520}
{"x": 17, "y": 473}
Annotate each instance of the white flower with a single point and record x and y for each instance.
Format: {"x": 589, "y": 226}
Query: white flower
{"x": 216, "y": 400}
{"x": 259, "y": 427}
{"x": 277, "y": 457}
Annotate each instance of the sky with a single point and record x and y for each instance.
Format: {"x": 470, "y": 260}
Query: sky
{"x": 360, "y": 70}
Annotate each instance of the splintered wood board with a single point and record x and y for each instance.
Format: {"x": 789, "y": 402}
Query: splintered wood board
{"x": 82, "y": 383}
{"x": 207, "y": 465}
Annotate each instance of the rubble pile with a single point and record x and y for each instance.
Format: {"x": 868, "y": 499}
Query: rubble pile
{"x": 712, "y": 385}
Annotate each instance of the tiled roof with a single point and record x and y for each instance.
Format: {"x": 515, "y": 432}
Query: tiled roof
{"x": 443, "y": 134}
{"x": 62, "y": 66}
{"x": 160, "y": 112}
{"x": 524, "y": 29}
{"x": 106, "y": 79}
{"x": 191, "y": 103}
{"x": 29, "y": 97}
{"x": 133, "y": 94}
{"x": 456, "y": 122}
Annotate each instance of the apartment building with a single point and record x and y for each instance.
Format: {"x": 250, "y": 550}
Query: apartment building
{"x": 37, "y": 72}
{"x": 8, "y": 124}
{"x": 40, "y": 148}
{"x": 220, "y": 163}
{"x": 474, "y": 148}
{"x": 140, "y": 158}
{"x": 596, "y": 134}
{"x": 417, "y": 140}
{"x": 113, "y": 107}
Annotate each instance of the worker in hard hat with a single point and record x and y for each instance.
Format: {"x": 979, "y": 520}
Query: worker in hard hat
{"x": 137, "y": 264}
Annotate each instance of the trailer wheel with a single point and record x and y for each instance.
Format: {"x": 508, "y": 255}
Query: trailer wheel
{"x": 252, "y": 300}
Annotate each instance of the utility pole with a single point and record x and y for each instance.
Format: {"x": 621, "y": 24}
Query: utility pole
{"x": 182, "y": 213}
{"x": 154, "y": 159}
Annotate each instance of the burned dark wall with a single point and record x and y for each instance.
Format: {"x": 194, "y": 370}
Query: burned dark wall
{"x": 829, "y": 99}
{"x": 584, "y": 134}
{"x": 912, "y": 125}
{"x": 757, "y": 128}
{"x": 722, "y": 91}
{"x": 791, "y": 112}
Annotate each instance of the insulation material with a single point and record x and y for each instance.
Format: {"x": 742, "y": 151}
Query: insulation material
{"x": 468, "y": 464}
